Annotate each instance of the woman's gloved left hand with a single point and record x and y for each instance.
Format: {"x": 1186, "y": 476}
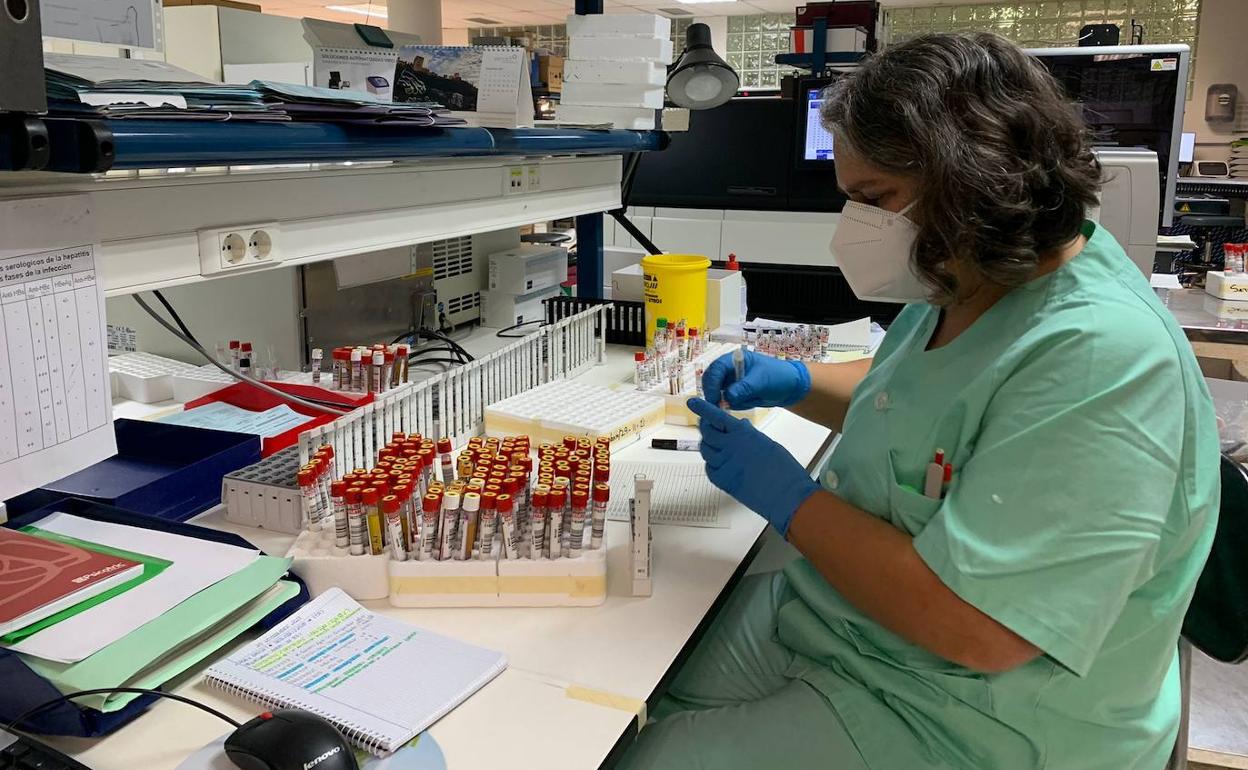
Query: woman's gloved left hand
{"x": 748, "y": 465}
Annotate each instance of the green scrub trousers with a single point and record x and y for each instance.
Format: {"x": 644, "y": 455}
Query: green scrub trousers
{"x": 1082, "y": 507}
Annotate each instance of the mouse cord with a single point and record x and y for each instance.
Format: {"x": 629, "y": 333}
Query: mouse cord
{"x": 112, "y": 690}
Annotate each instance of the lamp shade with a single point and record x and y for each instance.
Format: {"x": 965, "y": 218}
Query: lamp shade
{"x": 701, "y": 80}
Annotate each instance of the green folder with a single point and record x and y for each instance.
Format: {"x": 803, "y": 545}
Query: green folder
{"x": 151, "y": 568}
{"x": 166, "y": 646}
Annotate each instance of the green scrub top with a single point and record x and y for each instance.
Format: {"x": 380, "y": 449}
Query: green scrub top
{"x": 1082, "y": 508}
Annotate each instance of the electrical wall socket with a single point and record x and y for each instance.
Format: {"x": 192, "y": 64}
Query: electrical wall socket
{"x": 515, "y": 180}
{"x": 239, "y": 248}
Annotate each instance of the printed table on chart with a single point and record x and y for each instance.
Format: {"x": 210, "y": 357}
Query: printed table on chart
{"x": 52, "y": 371}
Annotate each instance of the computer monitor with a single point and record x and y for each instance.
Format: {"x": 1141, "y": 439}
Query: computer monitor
{"x": 1187, "y": 147}
{"x": 1132, "y": 96}
{"x": 816, "y": 140}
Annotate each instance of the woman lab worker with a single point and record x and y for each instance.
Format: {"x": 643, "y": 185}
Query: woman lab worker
{"x": 1025, "y": 615}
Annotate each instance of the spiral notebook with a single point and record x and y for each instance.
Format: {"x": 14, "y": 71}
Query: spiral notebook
{"x": 380, "y": 681}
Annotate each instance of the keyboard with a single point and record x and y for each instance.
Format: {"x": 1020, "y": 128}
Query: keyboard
{"x": 19, "y": 752}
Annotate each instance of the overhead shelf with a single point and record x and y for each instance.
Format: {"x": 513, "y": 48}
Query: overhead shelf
{"x": 83, "y": 146}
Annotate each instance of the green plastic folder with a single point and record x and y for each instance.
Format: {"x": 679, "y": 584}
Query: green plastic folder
{"x": 151, "y": 568}
{"x": 164, "y": 647}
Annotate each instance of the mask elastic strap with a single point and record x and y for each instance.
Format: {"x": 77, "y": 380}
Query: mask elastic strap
{"x": 907, "y": 208}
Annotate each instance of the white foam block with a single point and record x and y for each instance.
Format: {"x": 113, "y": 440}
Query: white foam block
{"x": 638, "y": 72}
{"x": 634, "y": 49}
{"x": 620, "y": 25}
{"x": 612, "y": 95}
{"x": 634, "y": 118}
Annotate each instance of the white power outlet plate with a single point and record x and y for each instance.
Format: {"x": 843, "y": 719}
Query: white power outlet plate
{"x": 239, "y": 248}
{"x": 515, "y": 180}
{"x": 534, "y": 177}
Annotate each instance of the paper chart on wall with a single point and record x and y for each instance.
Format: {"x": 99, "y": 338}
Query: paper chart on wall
{"x": 55, "y": 404}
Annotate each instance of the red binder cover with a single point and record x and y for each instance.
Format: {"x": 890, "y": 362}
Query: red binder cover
{"x": 36, "y": 574}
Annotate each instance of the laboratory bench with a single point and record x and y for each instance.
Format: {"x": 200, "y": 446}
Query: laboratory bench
{"x": 580, "y": 679}
{"x": 1216, "y": 328}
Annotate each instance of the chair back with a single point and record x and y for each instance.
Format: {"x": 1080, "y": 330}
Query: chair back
{"x": 1217, "y": 621}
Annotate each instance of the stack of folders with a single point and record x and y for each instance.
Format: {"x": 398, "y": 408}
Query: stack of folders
{"x": 87, "y": 86}
{"x": 89, "y": 604}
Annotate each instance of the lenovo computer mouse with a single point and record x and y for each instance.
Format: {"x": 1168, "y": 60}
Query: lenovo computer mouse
{"x": 289, "y": 739}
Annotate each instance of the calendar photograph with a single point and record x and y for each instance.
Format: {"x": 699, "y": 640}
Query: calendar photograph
{"x": 447, "y": 75}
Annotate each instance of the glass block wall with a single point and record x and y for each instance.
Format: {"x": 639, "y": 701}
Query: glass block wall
{"x": 1051, "y": 23}
{"x": 554, "y": 37}
{"x": 753, "y": 42}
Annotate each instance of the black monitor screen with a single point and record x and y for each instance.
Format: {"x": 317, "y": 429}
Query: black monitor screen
{"x": 817, "y": 144}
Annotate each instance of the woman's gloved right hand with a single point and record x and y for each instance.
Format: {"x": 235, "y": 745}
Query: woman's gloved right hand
{"x": 767, "y": 382}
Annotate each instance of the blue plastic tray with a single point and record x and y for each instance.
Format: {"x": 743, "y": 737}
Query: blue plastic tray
{"x": 169, "y": 471}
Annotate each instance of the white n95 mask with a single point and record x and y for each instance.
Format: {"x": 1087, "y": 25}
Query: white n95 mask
{"x": 872, "y": 248}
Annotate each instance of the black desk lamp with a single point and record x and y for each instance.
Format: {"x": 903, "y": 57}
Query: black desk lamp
{"x": 700, "y": 79}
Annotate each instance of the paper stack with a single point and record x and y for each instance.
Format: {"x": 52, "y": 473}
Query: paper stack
{"x": 616, "y": 70}
{"x": 1239, "y": 158}
{"x": 184, "y": 599}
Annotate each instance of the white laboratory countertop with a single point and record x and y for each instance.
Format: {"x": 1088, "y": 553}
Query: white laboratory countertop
{"x": 627, "y": 645}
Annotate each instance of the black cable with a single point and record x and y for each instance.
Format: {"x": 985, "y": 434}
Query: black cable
{"x": 517, "y": 326}
{"x": 15, "y": 724}
{"x": 177, "y": 319}
{"x": 336, "y": 410}
{"x": 451, "y": 342}
{"x": 423, "y": 361}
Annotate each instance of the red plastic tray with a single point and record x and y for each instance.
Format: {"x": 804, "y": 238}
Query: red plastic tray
{"x": 247, "y": 396}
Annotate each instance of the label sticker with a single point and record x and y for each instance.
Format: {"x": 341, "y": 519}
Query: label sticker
{"x": 122, "y": 339}
{"x": 1164, "y": 65}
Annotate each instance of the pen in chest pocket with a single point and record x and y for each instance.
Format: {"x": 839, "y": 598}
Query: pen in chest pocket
{"x": 938, "y": 476}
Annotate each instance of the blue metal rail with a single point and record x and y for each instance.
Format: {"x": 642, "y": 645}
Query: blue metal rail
{"x": 168, "y": 143}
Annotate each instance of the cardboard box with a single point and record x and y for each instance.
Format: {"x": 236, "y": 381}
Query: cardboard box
{"x": 613, "y": 95}
{"x": 724, "y": 291}
{"x": 620, "y": 25}
{"x": 635, "y": 118}
{"x": 550, "y": 72}
{"x": 631, "y": 49}
{"x": 1227, "y": 287}
{"x": 586, "y": 71}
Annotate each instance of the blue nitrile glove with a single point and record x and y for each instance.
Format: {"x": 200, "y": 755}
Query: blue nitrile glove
{"x": 748, "y": 465}
{"x": 768, "y": 382}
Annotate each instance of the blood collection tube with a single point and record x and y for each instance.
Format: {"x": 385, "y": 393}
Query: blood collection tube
{"x": 400, "y": 364}
{"x": 371, "y": 496}
{"x": 234, "y": 351}
{"x": 448, "y": 527}
{"x": 444, "y": 455}
{"x": 639, "y": 363}
{"x": 387, "y": 371}
{"x": 580, "y": 508}
{"x": 489, "y": 524}
{"x": 390, "y": 508}
{"x": 308, "y": 493}
{"x": 602, "y": 494}
{"x": 430, "y": 508}
{"x": 317, "y": 355}
{"x": 520, "y": 491}
{"x": 507, "y": 515}
{"x": 355, "y": 381}
{"x": 554, "y": 517}
{"x": 538, "y": 517}
{"x": 602, "y": 472}
{"x": 464, "y": 467}
{"x": 569, "y": 442}
{"x": 375, "y": 383}
{"x": 335, "y": 361}
{"x": 468, "y": 525}
{"x": 409, "y": 527}
{"x": 342, "y": 532}
{"x": 357, "y": 529}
